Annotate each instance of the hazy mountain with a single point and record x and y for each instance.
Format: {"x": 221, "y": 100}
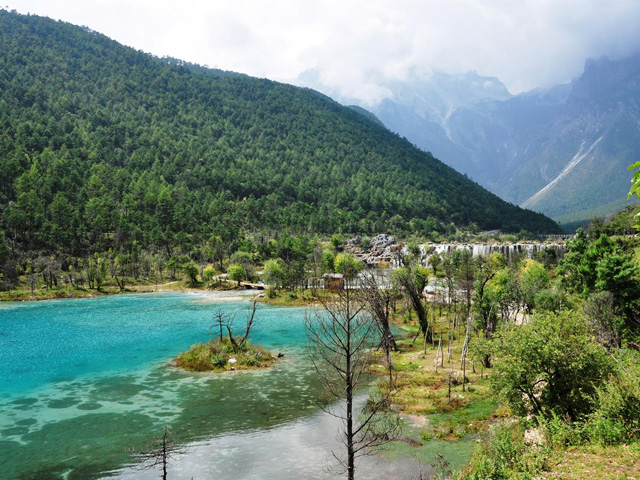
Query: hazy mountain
{"x": 563, "y": 150}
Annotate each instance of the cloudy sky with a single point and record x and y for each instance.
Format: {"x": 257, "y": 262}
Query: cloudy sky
{"x": 354, "y": 46}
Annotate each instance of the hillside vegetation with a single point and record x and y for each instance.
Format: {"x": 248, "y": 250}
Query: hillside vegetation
{"x": 103, "y": 146}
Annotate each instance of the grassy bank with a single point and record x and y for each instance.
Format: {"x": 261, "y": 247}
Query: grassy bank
{"x": 65, "y": 290}
{"x": 294, "y": 298}
{"x": 443, "y": 420}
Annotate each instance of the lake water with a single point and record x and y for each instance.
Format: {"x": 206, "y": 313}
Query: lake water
{"x": 84, "y": 380}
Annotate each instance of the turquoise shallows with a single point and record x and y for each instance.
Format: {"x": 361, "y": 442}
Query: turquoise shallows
{"x": 82, "y": 380}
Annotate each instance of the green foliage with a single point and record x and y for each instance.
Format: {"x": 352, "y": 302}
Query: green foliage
{"x": 208, "y": 273}
{"x": 328, "y": 261}
{"x": 551, "y": 300}
{"x": 336, "y": 243}
{"x": 174, "y": 263}
{"x": 435, "y": 260}
{"x": 348, "y": 265}
{"x": 622, "y": 223}
{"x": 603, "y": 264}
{"x": 604, "y": 319}
{"x": 485, "y": 297}
{"x": 503, "y": 454}
{"x": 412, "y": 281}
{"x": 533, "y": 279}
{"x": 190, "y": 269}
{"x": 244, "y": 259}
{"x": 4, "y": 249}
{"x": 617, "y": 417}
{"x": 275, "y": 272}
{"x": 236, "y": 273}
{"x": 635, "y": 184}
{"x": 550, "y": 366}
{"x": 103, "y": 146}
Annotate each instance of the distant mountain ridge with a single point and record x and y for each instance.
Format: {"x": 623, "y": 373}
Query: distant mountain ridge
{"x": 102, "y": 146}
{"x": 562, "y": 150}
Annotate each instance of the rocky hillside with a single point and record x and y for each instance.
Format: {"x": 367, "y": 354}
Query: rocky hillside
{"x": 563, "y": 151}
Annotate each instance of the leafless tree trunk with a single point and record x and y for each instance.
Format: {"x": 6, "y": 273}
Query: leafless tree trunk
{"x": 219, "y": 321}
{"x": 341, "y": 336}
{"x": 237, "y": 345}
{"x": 159, "y": 452}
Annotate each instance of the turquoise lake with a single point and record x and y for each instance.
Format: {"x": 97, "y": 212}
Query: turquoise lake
{"x": 84, "y": 381}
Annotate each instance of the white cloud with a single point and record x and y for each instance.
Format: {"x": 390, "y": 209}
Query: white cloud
{"x": 354, "y": 46}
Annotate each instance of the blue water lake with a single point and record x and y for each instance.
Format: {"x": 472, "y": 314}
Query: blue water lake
{"x": 84, "y": 381}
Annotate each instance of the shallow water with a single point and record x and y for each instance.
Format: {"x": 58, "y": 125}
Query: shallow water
{"x": 82, "y": 380}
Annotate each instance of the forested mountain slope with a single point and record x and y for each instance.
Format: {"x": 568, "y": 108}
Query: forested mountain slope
{"x": 102, "y": 146}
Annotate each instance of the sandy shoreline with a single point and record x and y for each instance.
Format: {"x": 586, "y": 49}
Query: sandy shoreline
{"x": 207, "y": 295}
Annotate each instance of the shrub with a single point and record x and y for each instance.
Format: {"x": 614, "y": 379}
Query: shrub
{"x": 617, "y": 415}
{"x": 219, "y": 360}
{"x": 605, "y": 431}
{"x": 550, "y": 367}
{"x": 503, "y": 454}
{"x": 559, "y": 432}
{"x": 550, "y": 300}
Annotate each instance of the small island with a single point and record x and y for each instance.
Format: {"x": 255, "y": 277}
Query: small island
{"x": 226, "y": 353}
{"x": 220, "y": 355}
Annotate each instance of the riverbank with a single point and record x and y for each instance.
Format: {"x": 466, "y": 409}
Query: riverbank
{"x": 444, "y": 417}
{"x": 66, "y": 291}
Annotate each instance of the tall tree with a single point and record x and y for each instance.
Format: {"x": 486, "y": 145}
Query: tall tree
{"x": 341, "y": 335}
{"x": 412, "y": 280}
{"x": 379, "y": 299}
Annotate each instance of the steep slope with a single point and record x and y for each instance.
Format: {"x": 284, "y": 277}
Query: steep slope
{"x": 427, "y": 113}
{"x": 103, "y": 146}
{"x": 562, "y": 150}
{"x": 591, "y": 143}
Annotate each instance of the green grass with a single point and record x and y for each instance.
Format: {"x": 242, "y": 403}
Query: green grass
{"x": 215, "y": 355}
{"x": 300, "y": 298}
{"x": 423, "y": 452}
{"x": 608, "y": 463}
{"x": 468, "y": 417}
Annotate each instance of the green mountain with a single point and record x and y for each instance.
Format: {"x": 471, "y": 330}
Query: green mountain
{"x": 102, "y": 146}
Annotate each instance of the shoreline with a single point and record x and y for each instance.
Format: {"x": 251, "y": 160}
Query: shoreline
{"x": 68, "y": 294}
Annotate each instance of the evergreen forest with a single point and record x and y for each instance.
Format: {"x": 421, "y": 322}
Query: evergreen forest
{"x": 106, "y": 147}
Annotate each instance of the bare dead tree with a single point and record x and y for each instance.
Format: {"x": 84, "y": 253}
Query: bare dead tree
{"x": 379, "y": 301}
{"x": 341, "y": 335}
{"x": 237, "y": 345}
{"x": 159, "y": 452}
{"x": 219, "y": 321}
